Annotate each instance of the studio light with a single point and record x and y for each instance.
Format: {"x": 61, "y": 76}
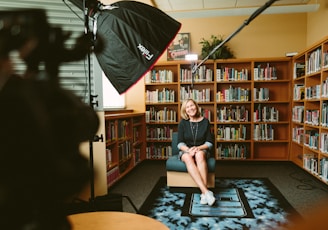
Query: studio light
{"x": 134, "y": 35}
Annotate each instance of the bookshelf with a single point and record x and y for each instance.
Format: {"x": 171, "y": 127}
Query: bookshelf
{"x": 125, "y": 143}
{"x": 309, "y": 146}
{"x": 247, "y": 101}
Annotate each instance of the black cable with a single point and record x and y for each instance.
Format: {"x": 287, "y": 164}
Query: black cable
{"x": 306, "y": 184}
{"x": 72, "y": 10}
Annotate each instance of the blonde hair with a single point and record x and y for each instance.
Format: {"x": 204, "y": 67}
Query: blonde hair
{"x": 183, "y": 112}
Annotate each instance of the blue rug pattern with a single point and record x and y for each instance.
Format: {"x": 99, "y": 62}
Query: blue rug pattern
{"x": 242, "y": 203}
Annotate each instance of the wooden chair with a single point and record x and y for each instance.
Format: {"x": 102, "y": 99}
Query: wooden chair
{"x": 176, "y": 171}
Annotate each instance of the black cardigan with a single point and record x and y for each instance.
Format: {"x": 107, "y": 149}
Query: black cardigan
{"x": 185, "y": 133}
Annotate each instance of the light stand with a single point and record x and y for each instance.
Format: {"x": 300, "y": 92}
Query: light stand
{"x": 106, "y": 202}
{"x": 91, "y": 97}
{"x": 246, "y": 22}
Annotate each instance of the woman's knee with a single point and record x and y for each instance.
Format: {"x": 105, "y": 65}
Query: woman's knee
{"x": 200, "y": 156}
{"x": 187, "y": 158}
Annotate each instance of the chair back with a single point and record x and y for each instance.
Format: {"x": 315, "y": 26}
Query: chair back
{"x": 175, "y": 150}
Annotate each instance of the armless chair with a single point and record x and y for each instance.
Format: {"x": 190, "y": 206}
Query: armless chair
{"x": 176, "y": 171}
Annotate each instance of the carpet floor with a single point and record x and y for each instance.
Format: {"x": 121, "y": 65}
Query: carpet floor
{"x": 242, "y": 203}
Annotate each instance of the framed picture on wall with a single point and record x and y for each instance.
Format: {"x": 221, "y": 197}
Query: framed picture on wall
{"x": 179, "y": 47}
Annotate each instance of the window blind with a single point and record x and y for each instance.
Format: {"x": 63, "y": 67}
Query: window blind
{"x": 61, "y": 13}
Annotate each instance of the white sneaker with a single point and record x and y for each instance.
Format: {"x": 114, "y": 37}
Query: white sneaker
{"x": 203, "y": 199}
{"x": 210, "y": 198}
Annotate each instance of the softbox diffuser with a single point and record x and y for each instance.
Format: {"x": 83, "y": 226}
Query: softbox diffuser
{"x": 134, "y": 35}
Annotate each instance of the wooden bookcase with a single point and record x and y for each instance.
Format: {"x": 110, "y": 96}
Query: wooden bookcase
{"x": 125, "y": 143}
{"x": 231, "y": 94}
{"x": 309, "y": 146}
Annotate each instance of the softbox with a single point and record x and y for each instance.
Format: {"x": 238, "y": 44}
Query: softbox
{"x": 134, "y": 35}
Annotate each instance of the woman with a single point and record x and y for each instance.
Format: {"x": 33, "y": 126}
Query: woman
{"x": 195, "y": 142}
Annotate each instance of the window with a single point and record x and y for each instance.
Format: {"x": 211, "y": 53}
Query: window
{"x": 111, "y": 98}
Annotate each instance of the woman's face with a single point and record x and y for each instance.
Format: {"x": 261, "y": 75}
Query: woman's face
{"x": 191, "y": 109}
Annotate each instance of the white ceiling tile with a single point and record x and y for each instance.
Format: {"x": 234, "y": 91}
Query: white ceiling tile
{"x": 288, "y": 2}
{"x": 216, "y": 4}
{"x": 250, "y": 3}
{"x": 192, "y": 5}
{"x": 163, "y": 5}
{"x": 186, "y": 4}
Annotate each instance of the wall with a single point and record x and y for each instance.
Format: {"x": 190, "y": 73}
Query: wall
{"x": 265, "y": 36}
{"x": 317, "y": 27}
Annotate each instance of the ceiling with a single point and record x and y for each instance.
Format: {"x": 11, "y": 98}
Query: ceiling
{"x": 181, "y": 5}
{"x": 199, "y": 8}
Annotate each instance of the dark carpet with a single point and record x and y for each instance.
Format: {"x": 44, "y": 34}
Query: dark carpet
{"x": 242, "y": 203}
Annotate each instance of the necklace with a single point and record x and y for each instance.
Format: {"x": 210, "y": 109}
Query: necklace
{"x": 194, "y": 131}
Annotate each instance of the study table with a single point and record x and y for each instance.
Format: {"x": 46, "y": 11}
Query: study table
{"x": 113, "y": 220}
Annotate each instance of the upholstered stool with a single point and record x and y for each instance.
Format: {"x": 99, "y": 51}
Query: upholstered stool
{"x": 176, "y": 171}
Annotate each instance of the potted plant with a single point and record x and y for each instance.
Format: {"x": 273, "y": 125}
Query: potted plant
{"x": 224, "y": 52}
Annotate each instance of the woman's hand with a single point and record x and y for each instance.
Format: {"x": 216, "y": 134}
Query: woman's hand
{"x": 193, "y": 150}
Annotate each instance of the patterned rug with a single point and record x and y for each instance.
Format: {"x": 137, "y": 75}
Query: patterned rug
{"x": 242, "y": 203}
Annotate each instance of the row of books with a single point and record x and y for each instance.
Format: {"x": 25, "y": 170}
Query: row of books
{"x": 310, "y": 163}
{"x": 203, "y": 74}
{"x": 159, "y": 133}
{"x": 112, "y": 175}
{"x": 312, "y": 92}
{"x": 324, "y": 169}
{"x": 230, "y": 133}
{"x": 136, "y": 134}
{"x": 324, "y": 142}
{"x": 298, "y": 113}
{"x": 108, "y": 157}
{"x": 311, "y": 139}
{"x": 261, "y": 94}
{"x": 232, "y": 114}
{"x": 324, "y": 88}
{"x": 299, "y": 70}
{"x": 123, "y": 154}
{"x": 265, "y": 73}
{"x": 206, "y": 113}
{"x": 263, "y": 132}
{"x": 324, "y": 114}
{"x": 298, "y": 92}
{"x": 170, "y": 115}
{"x": 232, "y": 151}
{"x": 313, "y": 62}
{"x": 231, "y": 74}
{"x": 124, "y": 150}
{"x": 298, "y": 134}
{"x": 202, "y": 95}
{"x": 325, "y": 59}
{"x": 123, "y": 129}
{"x": 162, "y": 115}
{"x": 137, "y": 155}
{"x": 233, "y": 94}
{"x": 158, "y": 151}
{"x": 111, "y": 131}
{"x": 315, "y": 166}
{"x": 266, "y": 114}
{"x": 159, "y": 76}
{"x": 312, "y": 117}
{"x": 160, "y": 96}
